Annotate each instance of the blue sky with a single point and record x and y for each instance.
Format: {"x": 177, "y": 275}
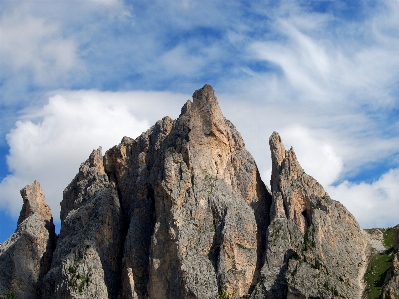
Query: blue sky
{"x": 76, "y": 75}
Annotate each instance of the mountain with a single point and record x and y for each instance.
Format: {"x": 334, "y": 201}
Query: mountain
{"x": 181, "y": 212}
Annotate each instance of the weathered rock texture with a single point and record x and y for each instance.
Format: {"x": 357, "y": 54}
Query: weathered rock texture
{"x": 181, "y": 212}
{"x": 26, "y": 256}
{"x": 315, "y": 248}
{"x": 195, "y": 206}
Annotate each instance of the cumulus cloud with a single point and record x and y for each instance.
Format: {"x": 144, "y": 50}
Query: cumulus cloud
{"x": 48, "y": 143}
{"x": 373, "y": 205}
{"x": 316, "y": 156}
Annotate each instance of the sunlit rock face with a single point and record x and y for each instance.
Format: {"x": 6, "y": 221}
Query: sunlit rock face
{"x": 195, "y": 206}
{"x": 181, "y": 212}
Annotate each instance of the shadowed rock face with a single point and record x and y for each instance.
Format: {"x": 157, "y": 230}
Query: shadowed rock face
{"x": 181, "y": 212}
{"x": 88, "y": 258}
{"x": 26, "y": 256}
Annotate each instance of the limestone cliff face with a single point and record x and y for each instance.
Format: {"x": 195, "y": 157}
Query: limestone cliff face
{"x": 26, "y": 256}
{"x": 195, "y": 206}
{"x": 315, "y": 248}
{"x": 181, "y": 212}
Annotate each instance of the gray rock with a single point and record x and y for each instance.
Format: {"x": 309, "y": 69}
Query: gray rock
{"x": 315, "y": 247}
{"x": 88, "y": 258}
{"x": 195, "y": 205}
{"x": 181, "y": 212}
{"x": 26, "y": 256}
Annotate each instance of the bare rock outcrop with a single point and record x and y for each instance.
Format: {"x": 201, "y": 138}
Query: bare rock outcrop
{"x": 195, "y": 206}
{"x": 315, "y": 247}
{"x": 26, "y": 256}
{"x": 181, "y": 212}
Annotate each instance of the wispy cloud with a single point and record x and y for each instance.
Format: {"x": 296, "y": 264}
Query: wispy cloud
{"x": 325, "y": 74}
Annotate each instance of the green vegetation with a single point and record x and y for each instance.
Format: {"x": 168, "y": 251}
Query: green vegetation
{"x": 389, "y": 238}
{"x": 10, "y": 295}
{"x": 242, "y": 246}
{"x": 330, "y": 289}
{"x": 211, "y": 182}
{"x": 76, "y": 281}
{"x": 376, "y": 273}
{"x": 379, "y": 266}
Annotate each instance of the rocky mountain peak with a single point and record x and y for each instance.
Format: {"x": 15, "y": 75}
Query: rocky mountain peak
{"x": 181, "y": 212}
{"x": 284, "y": 163}
{"x": 206, "y": 117}
{"x": 33, "y": 198}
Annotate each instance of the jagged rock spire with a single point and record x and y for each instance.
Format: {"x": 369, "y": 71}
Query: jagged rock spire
{"x": 26, "y": 256}
{"x": 306, "y": 237}
{"x": 33, "y": 198}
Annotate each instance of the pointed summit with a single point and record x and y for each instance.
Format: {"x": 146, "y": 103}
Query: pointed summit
{"x": 206, "y": 94}
{"x": 34, "y": 202}
{"x": 291, "y": 184}
{"x": 26, "y": 256}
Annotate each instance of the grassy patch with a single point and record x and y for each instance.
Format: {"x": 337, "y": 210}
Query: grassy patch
{"x": 376, "y": 273}
{"x": 379, "y": 266}
{"x": 389, "y": 238}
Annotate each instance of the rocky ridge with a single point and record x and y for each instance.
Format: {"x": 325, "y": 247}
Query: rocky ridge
{"x": 181, "y": 212}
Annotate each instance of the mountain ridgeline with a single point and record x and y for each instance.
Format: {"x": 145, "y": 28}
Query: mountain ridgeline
{"x": 181, "y": 212}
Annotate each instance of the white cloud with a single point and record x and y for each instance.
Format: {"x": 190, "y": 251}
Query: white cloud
{"x": 33, "y": 45}
{"x": 319, "y": 64}
{"x": 373, "y": 205}
{"x": 317, "y": 157}
{"x": 49, "y": 143}
{"x": 327, "y": 91}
